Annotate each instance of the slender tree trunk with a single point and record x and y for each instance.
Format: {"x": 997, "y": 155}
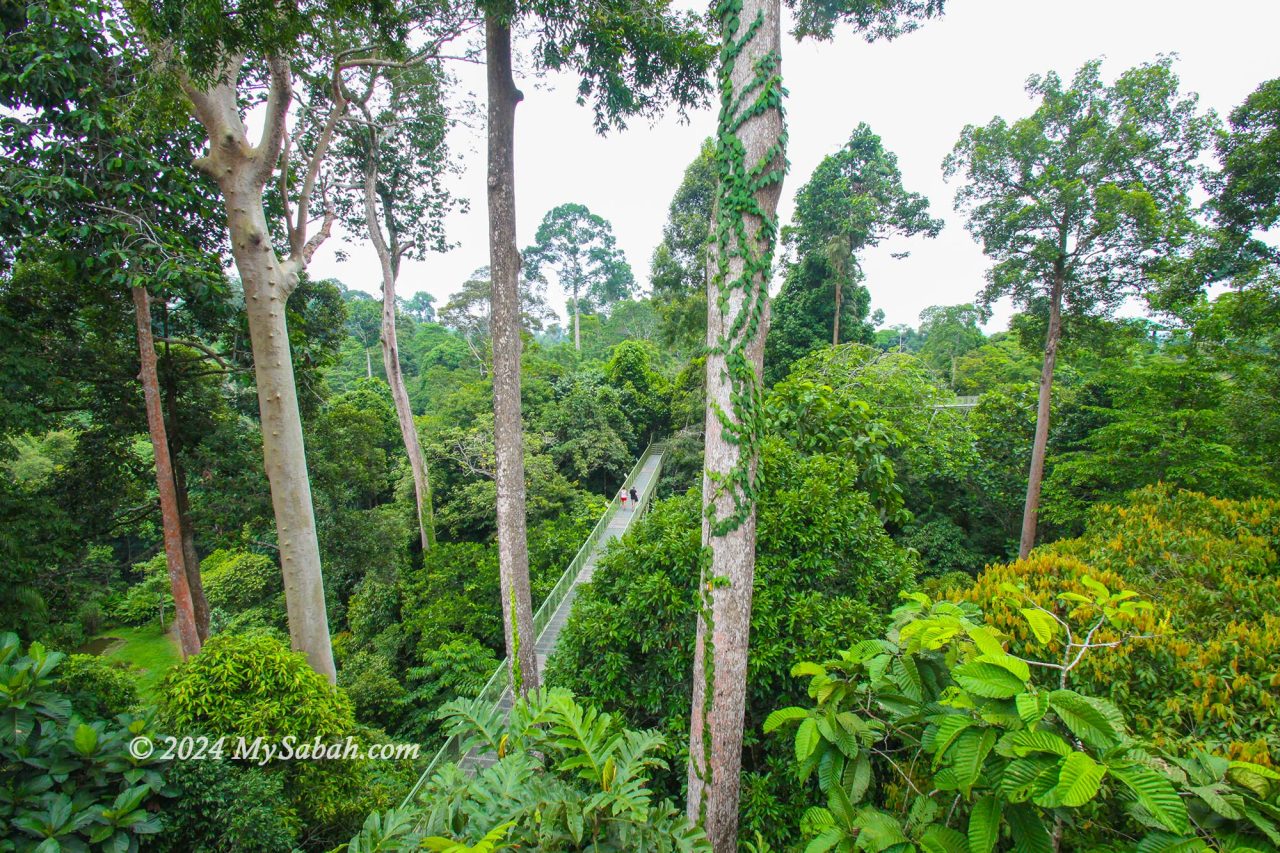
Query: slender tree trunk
{"x": 953, "y": 373}
{"x": 190, "y": 555}
{"x": 739, "y": 259}
{"x": 368, "y": 362}
{"x": 835, "y": 326}
{"x": 268, "y": 282}
{"x": 1035, "y": 477}
{"x": 184, "y": 611}
{"x": 504, "y": 262}
{"x": 577, "y": 328}
{"x": 391, "y": 361}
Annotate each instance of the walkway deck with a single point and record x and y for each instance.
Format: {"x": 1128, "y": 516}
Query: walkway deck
{"x": 554, "y": 613}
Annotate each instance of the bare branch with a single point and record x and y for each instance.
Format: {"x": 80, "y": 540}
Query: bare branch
{"x": 273, "y": 132}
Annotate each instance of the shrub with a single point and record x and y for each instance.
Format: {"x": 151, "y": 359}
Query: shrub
{"x": 1208, "y": 662}
{"x": 567, "y": 778}
{"x": 96, "y": 688}
{"x": 225, "y": 807}
{"x": 237, "y": 580}
{"x": 67, "y": 783}
{"x": 253, "y": 686}
{"x": 1045, "y": 767}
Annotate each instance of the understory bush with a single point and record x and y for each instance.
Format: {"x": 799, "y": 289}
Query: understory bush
{"x": 1205, "y": 664}
{"x": 66, "y": 781}
{"x": 937, "y": 738}
{"x": 254, "y": 686}
{"x": 566, "y": 778}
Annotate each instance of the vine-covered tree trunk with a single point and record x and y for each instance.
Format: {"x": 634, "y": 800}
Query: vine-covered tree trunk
{"x": 184, "y": 611}
{"x": 508, "y": 438}
{"x": 750, "y": 162}
{"x": 391, "y": 359}
{"x": 1031, "y": 510}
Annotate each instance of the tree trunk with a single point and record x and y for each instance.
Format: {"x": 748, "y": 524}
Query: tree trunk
{"x": 1035, "y": 477}
{"x": 508, "y": 439}
{"x": 835, "y": 326}
{"x": 190, "y": 555}
{"x": 184, "y": 611}
{"x": 577, "y": 329}
{"x": 739, "y": 259}
{"x": 953, "y": 373}
{"x": 368, "y": 362}
{"x": 391, "y": 360}
{"x": 267, "y": 285}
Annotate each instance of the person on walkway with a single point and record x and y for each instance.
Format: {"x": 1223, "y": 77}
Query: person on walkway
{"x": 635, "y": 498}
{"x": 622, "y": 497}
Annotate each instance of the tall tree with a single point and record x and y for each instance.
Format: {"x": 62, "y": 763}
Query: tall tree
{"x": 854, "y": 200}
{"x": 750, "y": 162}
{"x": 393, "y": 147}
{"x": 633, "y": 57}
{"x": 580, "y": 247}
{"x": 175, "y": 556}
{"x": 220, "y": 58}
{"x": 1079, "y": 203}
{"x": 77, "y": 96}
{"x": 949, "y": 331}
{"x": 467, "y": 312}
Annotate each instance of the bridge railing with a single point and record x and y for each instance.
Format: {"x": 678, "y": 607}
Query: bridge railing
{"x": 500, "y": 680}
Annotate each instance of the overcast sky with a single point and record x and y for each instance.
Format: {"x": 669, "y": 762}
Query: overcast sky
{"x": 916, "y": 93}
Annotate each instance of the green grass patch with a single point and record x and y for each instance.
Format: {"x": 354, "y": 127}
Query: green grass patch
{"x": 148, "y": 650}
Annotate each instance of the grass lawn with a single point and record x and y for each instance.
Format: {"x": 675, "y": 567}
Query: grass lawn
{"x": 148, "y": 650}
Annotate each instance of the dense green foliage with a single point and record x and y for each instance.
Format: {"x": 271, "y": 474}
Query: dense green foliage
{"x": 1116, "y": 690}
{"x": 68, "y": 781}
{"x": 566, "y": 778}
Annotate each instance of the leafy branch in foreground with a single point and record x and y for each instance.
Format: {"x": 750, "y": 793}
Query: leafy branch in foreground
{"x": 935, "y": 738}
{"x": 565, "y": 777}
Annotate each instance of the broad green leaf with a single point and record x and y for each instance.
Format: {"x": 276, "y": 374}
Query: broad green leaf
{"x": 1155, "y": 794}
{"x": 1078, "y": 782}
{"x": 1017, "y": 666}
{"x": 1025, "y": 742}
{"x": 1223, "y": 805}
{"x": 1031, "y": 706}
{"x": 807, "y": 668}
{"x": 968, "y": 755}
{"x": 1095, "y": 721}
{"x": 86, "y": 739}
{"x": 807, "y": 739}
{"x": 984, "y": 825}
{"x": 943, "y": 839}
{"x": 1163, "y": 842}
{"x": 950, "y": 728}
{"x": 783, "y": 716}
{"x": 1042, "y": 624}
{"x": 1028, "y": 777}
{"x": 988, "y": 680}
{"x": 985, "y": 639}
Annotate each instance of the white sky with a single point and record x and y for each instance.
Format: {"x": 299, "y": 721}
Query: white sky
{"x": 916, "y": 93}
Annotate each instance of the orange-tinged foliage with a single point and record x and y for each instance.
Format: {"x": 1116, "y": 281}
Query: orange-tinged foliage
{"x": 1205, "y": 663}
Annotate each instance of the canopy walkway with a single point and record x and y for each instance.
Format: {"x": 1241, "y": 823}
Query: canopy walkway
{"x": 553, "y": 613}
{"x": 962, "y": 403}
